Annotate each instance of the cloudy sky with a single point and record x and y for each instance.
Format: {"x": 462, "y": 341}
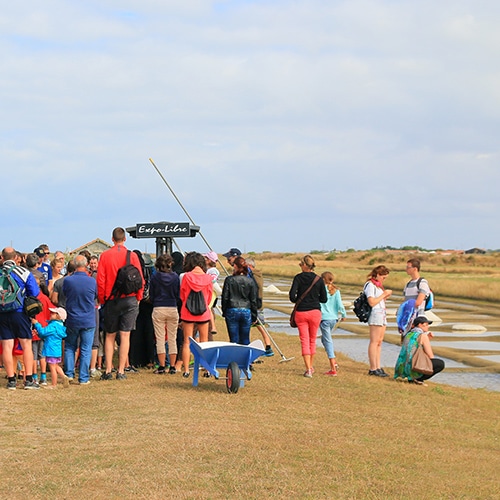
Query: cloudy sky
{"x": 282, "y": 125}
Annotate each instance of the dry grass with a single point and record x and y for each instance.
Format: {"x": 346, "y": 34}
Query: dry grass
{"x": 281, "y": 436}
{"x": 458, "y": 276}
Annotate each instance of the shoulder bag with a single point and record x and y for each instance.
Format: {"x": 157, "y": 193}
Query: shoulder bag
{"x": 293, "y": 324}
{"x": 421, "y": 363}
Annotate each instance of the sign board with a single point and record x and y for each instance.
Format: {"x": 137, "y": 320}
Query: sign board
{"x": 163, "y": 230}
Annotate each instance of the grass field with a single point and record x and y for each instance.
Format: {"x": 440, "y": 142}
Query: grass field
{"x": 282, "y": 435}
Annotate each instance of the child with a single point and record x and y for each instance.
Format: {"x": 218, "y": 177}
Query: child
{"x": 53, "y": 334}
{"x": 211, "y": 259}
{"x": 329, "y": 316}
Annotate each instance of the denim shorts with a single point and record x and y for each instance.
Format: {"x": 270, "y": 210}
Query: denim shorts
{"x": 377, "y": 317}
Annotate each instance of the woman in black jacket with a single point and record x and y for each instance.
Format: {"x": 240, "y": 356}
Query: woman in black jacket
{"x": 308, "y": 312}
{"x": 239, "y": 302}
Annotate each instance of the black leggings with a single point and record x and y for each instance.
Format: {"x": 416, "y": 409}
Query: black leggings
{"x": 437, "y": 366}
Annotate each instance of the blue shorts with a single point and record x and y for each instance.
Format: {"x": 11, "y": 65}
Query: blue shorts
{"x": 15, "y": 325}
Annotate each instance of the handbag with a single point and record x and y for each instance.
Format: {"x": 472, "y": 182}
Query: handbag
{"x": 421, "y": 363}
{"x": 293, "y": 324}
{"x": 32, "y": 306}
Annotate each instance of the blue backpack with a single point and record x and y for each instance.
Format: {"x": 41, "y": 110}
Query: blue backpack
{"x": 11, "y": 294}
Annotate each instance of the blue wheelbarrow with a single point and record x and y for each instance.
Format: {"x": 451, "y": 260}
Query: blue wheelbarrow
{"x": 234, "y": 358}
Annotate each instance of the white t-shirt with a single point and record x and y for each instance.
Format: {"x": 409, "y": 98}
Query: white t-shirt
{"x": 374, "y": 291}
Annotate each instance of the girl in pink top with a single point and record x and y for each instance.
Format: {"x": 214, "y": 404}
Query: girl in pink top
{"x": 194, "y": 279}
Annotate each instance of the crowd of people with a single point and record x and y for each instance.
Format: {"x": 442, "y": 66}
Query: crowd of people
{"x": 87, "y": 312}
{"x": 92, "y": 306}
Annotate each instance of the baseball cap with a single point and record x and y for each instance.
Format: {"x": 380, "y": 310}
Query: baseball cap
{"x": 421, "y": 319}
{"x": 59, "y": 310}
{"x": 211, "y": 256}
{"x": 40, "y": 252}
{"x": 233, "y": 252}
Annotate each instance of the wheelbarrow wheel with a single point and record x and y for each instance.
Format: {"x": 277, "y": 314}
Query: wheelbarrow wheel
{"x": 233, "y": 377}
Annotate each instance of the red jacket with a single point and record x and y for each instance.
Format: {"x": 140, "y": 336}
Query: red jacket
{"x": 43, "y": 316}
{"x": 197, "y": 282}
{"x": 110, "y": 261}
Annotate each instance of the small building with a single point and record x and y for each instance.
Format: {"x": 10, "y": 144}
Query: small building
{"x": 95, "y": 247}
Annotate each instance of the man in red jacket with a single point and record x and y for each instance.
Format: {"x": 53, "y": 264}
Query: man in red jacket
{"x": 120, "y": 311}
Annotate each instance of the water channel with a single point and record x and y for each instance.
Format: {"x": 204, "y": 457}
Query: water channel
{"x": 469, "y": 334}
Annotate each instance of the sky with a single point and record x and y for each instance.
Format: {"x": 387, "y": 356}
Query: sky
{"x": 280, "y": 125}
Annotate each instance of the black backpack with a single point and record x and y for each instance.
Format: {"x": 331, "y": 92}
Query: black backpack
{"x": 195, "y": 303}
{"x": 361, "y": 307}
{"x": 128, "y": 280}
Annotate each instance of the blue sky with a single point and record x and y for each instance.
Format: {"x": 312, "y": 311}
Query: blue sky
{"x": 280, "y": 125}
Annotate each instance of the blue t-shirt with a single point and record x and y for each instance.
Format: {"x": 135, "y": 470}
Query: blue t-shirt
{"x": 80, "y": 291}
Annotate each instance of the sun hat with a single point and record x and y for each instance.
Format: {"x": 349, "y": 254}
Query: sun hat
{"x": 59, "y": 310}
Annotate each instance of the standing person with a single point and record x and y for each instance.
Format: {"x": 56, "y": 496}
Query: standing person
{"x": 418, "y": 335}
{"x": 53, "y": 335}
{"x": 80, "y": 291}
{"x": 195, "y": 279}
{"x": 121, "y": 310}
{"x": 259, "y": 323}
{"x": 308, "y": 288}
{"x": 164, "y": 295}
{"x": 231, "y": 254}
{"x": 417, "y": 288}
{"x": 211, "y": 259}
{"x": 43, "y": 252}
{"x": 15, "y": 324}
{"x": 376, "y": 294}
{"x": 330, "y": 312}
{"x": 239, "y": 302}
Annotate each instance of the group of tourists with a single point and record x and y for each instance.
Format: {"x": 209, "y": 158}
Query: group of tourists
{"x": 318, "y": 307}
{"x": 91, "y": 306}
{"x": 95, "y": 305}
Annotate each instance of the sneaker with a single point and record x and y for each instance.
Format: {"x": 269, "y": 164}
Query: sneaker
{"x": 43, "y": 381}
{"x": 172, "y": 370}
{"x": 336, "y": 367}
{"x": 131, "y": 369}
{"x": 308, "y": 373}
{"x": 31, "y": 385}
{"x": 121, "y": 376}
{"x": 333, "y": 373}
{"x": 87, "y": 382}
{"x": 381, "y": 373}
{"x": 269, "y": 353}
{"x": 159, "y": 371}
{"x": 107, "y": 376}
{"x": 65, "y": 382}
{"x": 185, "y": 374}
{"x": 94, "y": 373}
{"x": 11, "y": 385}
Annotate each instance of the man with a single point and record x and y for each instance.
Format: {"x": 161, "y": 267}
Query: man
{"x": 231, "y": 254}
{"x": 93, "y": 265}
{"x": 417, "y": 288}
{"x": 43, "y": 253}
{"x": 121, "y": 310}
{"x": 15, "y": 324}
{"x": 80, "y": 291}
{"x": 257, "y": 276}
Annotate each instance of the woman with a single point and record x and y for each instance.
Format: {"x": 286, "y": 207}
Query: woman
{"x": 194, "y": 280}
{"x": 376, "y": 295}
{"x": 330, "y": 312}
{"x": 418, "y": 335}
{"x": 164, "y": 295}
{"x": 239, "y": 302}
{"x": 308, "y": 311}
